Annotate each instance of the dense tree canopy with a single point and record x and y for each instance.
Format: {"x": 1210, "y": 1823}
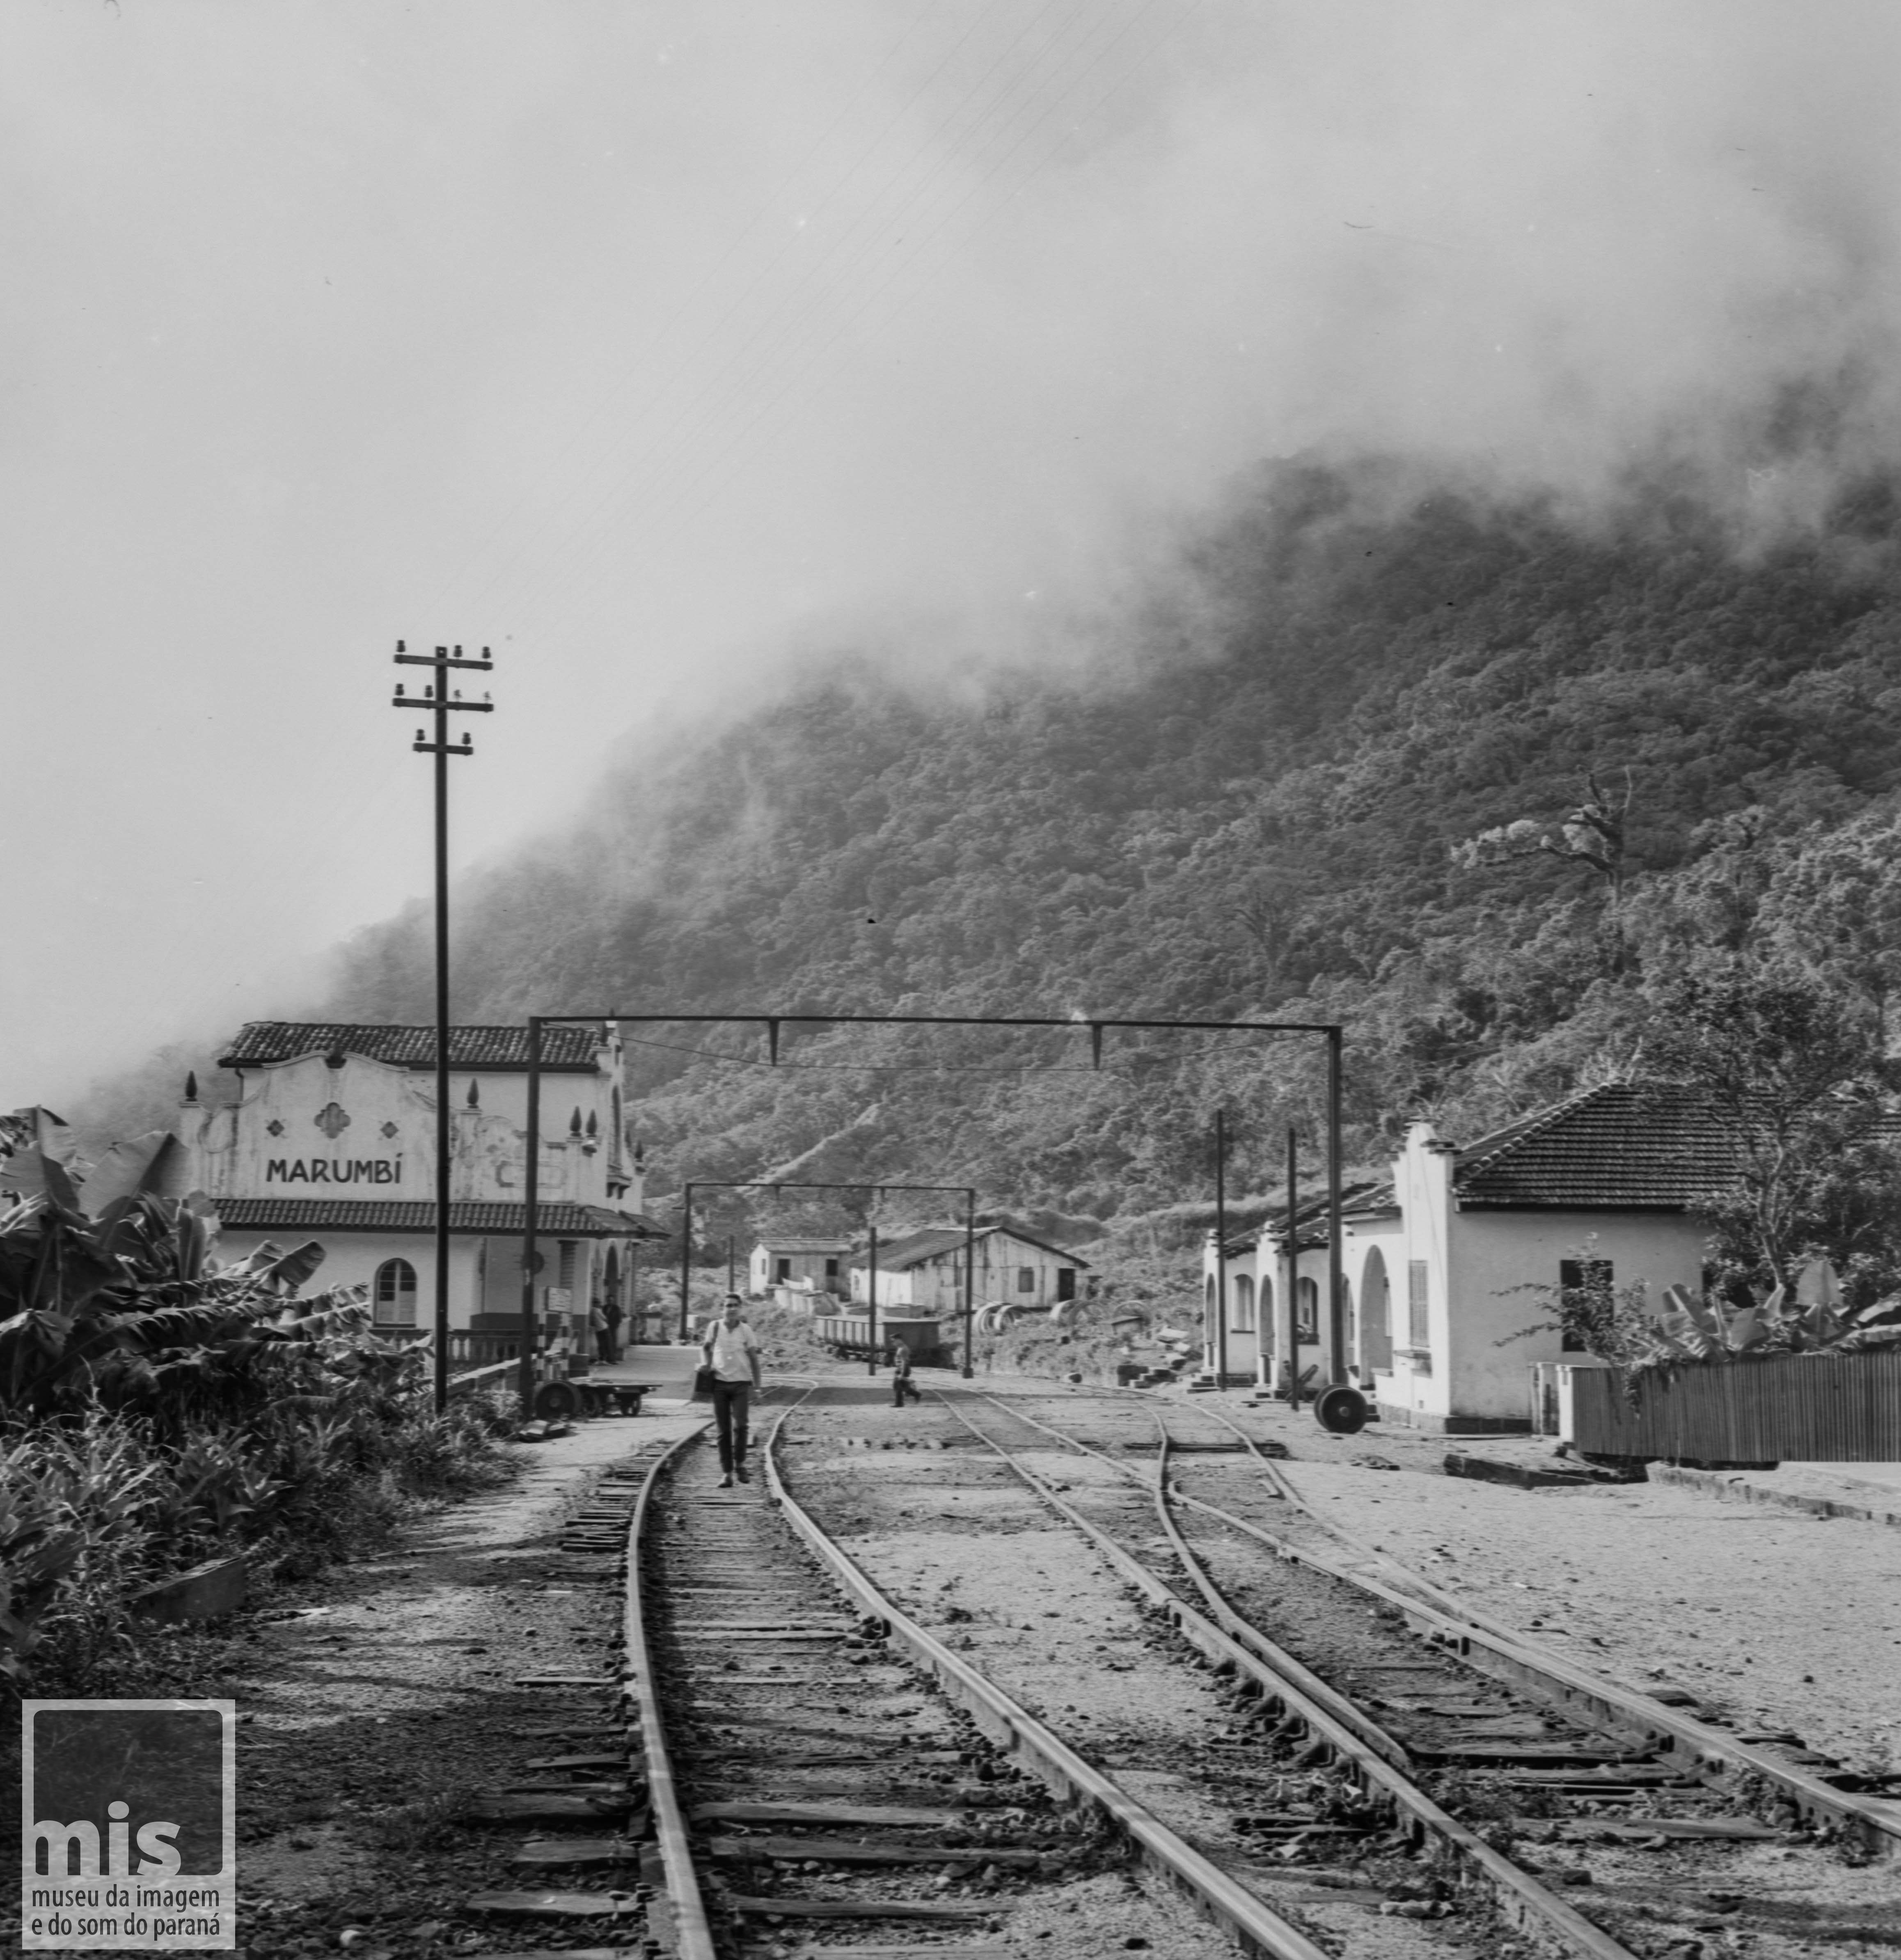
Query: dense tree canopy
{"x": 1265, "y": 803}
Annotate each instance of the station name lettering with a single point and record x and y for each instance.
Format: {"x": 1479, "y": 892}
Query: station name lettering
{"x": 322, "y": 1170}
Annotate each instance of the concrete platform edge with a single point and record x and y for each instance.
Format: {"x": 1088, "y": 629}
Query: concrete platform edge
{"x": 1736, "y": 1487}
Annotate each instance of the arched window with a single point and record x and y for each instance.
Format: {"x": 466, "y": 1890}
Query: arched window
{"x": 395, "y": 1294}
{"x": 1243, "y": 1322}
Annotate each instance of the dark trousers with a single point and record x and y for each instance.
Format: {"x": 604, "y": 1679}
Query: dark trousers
{"x": 730, "y": 1404}
{"x": 902, "y": 1385}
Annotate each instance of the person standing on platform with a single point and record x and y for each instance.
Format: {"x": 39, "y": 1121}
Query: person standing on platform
{"x": 731, "y": 1351}
{"x": 610, "y": 1313}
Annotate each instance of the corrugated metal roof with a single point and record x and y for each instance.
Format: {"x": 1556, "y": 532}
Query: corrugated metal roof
{"x": 805, "y": 1245}
{"x": 1310, "y": 1216}
{"x": 364, "y": 1214}
{"x": 916, "y": 1247}
{"x": 565, "y": 1049}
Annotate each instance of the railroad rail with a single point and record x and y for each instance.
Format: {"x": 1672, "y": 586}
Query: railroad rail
{"x": 781, "y": 1756}
{"x": 809, "y": 1706}
{"x": 1399, "y": 1706}
{"x": 1695, "y": 1745}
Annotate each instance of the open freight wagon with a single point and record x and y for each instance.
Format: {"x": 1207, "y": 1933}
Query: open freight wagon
{"x": 849, "y": 1335}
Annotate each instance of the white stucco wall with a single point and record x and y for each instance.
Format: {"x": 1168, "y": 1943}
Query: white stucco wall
{"x": 351, "y": 1259}
{"x": 1495, "y": 1252}
{"x": 366, "y": 1130}
{"x": 1259, "y": 1350}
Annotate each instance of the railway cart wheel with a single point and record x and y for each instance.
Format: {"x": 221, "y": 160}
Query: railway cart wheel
{"x": 1341, "y": 1411}
{"x": 555, "y": 1399}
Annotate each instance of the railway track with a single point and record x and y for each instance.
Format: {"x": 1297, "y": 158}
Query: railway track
{"x": 827, "y": 1777}
{"x": 1516, "y": 1765}
{"x": 785, "y": 1764}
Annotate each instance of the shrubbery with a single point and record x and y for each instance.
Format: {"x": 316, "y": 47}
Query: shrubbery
{"x": 156, "y": 1410}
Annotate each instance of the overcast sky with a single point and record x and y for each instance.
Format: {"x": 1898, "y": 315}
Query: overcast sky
{"x": 645, "y": 342}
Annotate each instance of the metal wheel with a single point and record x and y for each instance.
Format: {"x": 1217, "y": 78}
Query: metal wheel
{"x": 1341, "y": 1411}
{"x": 554, "y": 1399}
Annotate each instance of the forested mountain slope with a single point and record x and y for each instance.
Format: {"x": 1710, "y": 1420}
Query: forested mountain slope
{"x": 1266, "y": 803}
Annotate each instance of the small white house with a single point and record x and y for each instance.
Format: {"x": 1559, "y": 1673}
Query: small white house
{"x": 810, "y": 1265}
{"x": 925, "y": 1270}
{"x": 1437, "y": 1263}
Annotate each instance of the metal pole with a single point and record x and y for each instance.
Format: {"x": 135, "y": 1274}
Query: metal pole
{"x": 729, "y": 1269}
{"x": 686, "y": 1257}
{"x": 531, "y": 1216}
{"x": 445, "y": 1116}
{"x": 871, "y": 1365}
{"x": 970, "y": 1273}
{"x": 631, "y": 1304}
{"x": 1221, "y": 1249}
{"x": 1290, "y": 1316}
{"x": 1336, "y": 1264}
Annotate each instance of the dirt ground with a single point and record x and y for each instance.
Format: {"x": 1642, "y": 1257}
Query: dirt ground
{"x": 381, "y": 1696}
{"x": 372, "y": 1702}
{"x": 1776, "y": 1618}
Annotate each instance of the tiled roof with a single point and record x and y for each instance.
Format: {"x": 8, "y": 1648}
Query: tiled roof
{"x": 1623, "y": 1146}
{"x": 805, "y": 1245}
{"x": 367, "y": 1214}
{"x": 563, "y": 1048}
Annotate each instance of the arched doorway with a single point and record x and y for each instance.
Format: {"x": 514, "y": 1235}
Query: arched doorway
{"x": 1243, "y": 1341}
{"x": 1244, "y": 1320}
{"x": 1375, "y": 1315}
{"x": 394, "y": 1294}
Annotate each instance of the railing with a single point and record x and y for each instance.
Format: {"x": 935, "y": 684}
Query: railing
{"x": 1804, "y": 1408}
{"x": 498, "y": 1374}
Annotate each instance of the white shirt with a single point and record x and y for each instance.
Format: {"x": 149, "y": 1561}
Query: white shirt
{"x": 731, "y": 1348}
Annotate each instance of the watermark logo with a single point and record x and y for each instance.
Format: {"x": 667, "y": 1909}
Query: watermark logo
{"x": 128, "y": 1825}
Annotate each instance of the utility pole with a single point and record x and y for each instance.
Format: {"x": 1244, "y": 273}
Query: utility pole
{"x": 871, "y": 1365}
{"x": 1290, "y": 1298}
{"x": 969, "y": 1274}
{"x": 436, "y": 698}
{"x": 686, "y": 1257}
{"x": 1221, "y": 1249}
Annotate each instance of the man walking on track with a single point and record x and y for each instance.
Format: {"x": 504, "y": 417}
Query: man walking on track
{"x": 732, "y": 1351}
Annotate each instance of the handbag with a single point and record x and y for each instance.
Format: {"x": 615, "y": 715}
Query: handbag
{"x": 703, "y": 1380}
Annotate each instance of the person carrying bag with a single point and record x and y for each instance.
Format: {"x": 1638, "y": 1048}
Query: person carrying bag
{"x": 731, "y": 1371}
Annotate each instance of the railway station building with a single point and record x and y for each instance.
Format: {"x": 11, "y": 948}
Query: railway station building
{"x": 1441, "y": 1262}
{"x": 332, "y": 1136}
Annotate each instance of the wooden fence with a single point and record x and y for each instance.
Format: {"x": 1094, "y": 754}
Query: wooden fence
{"x": 1801, "y": 1409}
